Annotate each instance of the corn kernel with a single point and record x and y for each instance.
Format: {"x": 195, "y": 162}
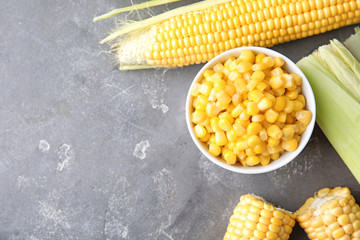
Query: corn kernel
{"x": 231, "y": 135}
{"x": 229, "y": 156}
{"x": 255, "y": 95}
{"x": 224, "y": 124}
{"x": 271, "y": 115}
{"x": 252, "y": 160}
{"x": 200, "y": 131}
{"x": 237, "y": 110}
{"x": 304, "y": 116}
{"x": 220, "y": 138}
{"x": 260, "y": 147}
{"x": 252, "y": 108}
{"x": 247, "y": 56}
{"x": 264, "y": 104}
{"x": 198, "y": 116}
{"x": 257, "y": 118}
{"x": 274, "y": 132}
{"x": 219, "y": 84}
{"x": 195, "y": 90}
{"x": 253, "y": 140}
{"x": 277, "y": 81}
{"x": 214, "y": 149}
{"x": 253, "y": 128}
{"x": 243, "y": 67}
{"x": 290, "y": 145}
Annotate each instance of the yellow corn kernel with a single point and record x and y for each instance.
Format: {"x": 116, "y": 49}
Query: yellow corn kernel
{"x": 242, "y": 145}
{"x": 231, "y": 135}
{"x": 297, "y": 78}
{"x": 277, "y": 71}
{"x": 200, "y": 131}
{"x": 301, "y": 99}
{"x": 220, "y": 138}
{"x": 240, "y": 85}
{"x": 288, "y": 132}
{"x": 211, "y": 110}
{"x": 206, "y": 88}
{"x": 227, "y": 116}
{"x": 280, "y": 103}
{"x": 290, "y": 145}
{"x": 253, "y": 128}
{"x": 278, "y": 62}
{"x": 304, "y": 116}
{"x": 214, "y": 149}
{"x": 264, "y": 104}
{"x": 219, "y": 84}
{"x": 277, "y": 81}
{"x": 289, "y": 106}
{"x": 236, "y": 99}
{"x": 214, "y": 124}
{"x": 272, "y": 142}
{"x": 259, "y": 67}
{"x": 292, "y": 94}
{"x": 206, "y": 137}
{"x": 275, "y": 156}
{"x": 252, "y": 160}
{"x": 224, "y": 124}
{"x": 257, "y": 118}
{"x": 260, "y": 147}
{"x": 259, "y": 57}
{"x": 271, "y": 115}
{"x": 218, "y": 67}
{"x": 234, "y": 75}
{"x": 223, "y": 98}
{"x": 261, "y": 86}
{"x": 255, "y": 95}
{"x": 244, "y": 66}
{"x": 229, "y": 156}
{"x": 264, "y": 160}
{"x": 263, "y": 135}
{"x": 289, "y": 82}
{"x": 252, "y": 141}
{"x": 237, "y": 110}
{"x": 250, "y": 152}
{"x": 252, "y": 108}
{"x": 258, "y": 76}
{"x": 239, "y": 129}
{"x": 298, "y": 105}
{"x": 274, "y": 132}
{"x": 230, "y": 90}
{"x": 195, "y": 90}
{"x": 247, "y": 56}
{"x": 198, "y": 116}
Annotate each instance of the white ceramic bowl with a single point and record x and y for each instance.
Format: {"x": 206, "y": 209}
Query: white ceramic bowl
{"x": 285, "y": 157}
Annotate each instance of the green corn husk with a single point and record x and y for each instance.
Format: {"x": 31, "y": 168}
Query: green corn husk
{"x": 333, "y": 73}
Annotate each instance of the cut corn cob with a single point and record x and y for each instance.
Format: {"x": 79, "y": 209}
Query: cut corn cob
{"x": 186, "y": 36}
{"x": 331, "y": 214}
{"x": 253, "y": 218}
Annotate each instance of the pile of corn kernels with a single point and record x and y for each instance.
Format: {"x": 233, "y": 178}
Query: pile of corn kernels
{"x": 249, "y": 109}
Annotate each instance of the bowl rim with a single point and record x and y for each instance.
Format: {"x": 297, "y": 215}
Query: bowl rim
{"x": 286, "y": 157}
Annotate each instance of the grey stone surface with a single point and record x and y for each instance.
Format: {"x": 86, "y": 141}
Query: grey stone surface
{"x": 91, "y": 152}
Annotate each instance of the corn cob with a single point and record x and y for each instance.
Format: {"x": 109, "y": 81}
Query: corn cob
{"x": 331, "y": 214}
{"x": 192, "y": 37}
{"x": 253, "y": 218}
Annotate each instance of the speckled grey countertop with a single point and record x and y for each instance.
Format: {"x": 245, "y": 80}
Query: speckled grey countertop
{"x": 91, "y": 152}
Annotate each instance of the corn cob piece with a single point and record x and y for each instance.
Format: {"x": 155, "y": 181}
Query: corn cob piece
{"x": 197, "y": 36}
{"x": 255, "y": 219}
{"x": 331, "y": 214}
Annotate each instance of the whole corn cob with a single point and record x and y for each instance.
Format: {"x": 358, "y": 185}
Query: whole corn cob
{"x": 331, "y": 214}
{"x": 253, "y": 218}
{"x": 193, "y": 37}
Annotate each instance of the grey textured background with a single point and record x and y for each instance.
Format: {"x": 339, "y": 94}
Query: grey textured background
{"x": 91, "y": 152}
